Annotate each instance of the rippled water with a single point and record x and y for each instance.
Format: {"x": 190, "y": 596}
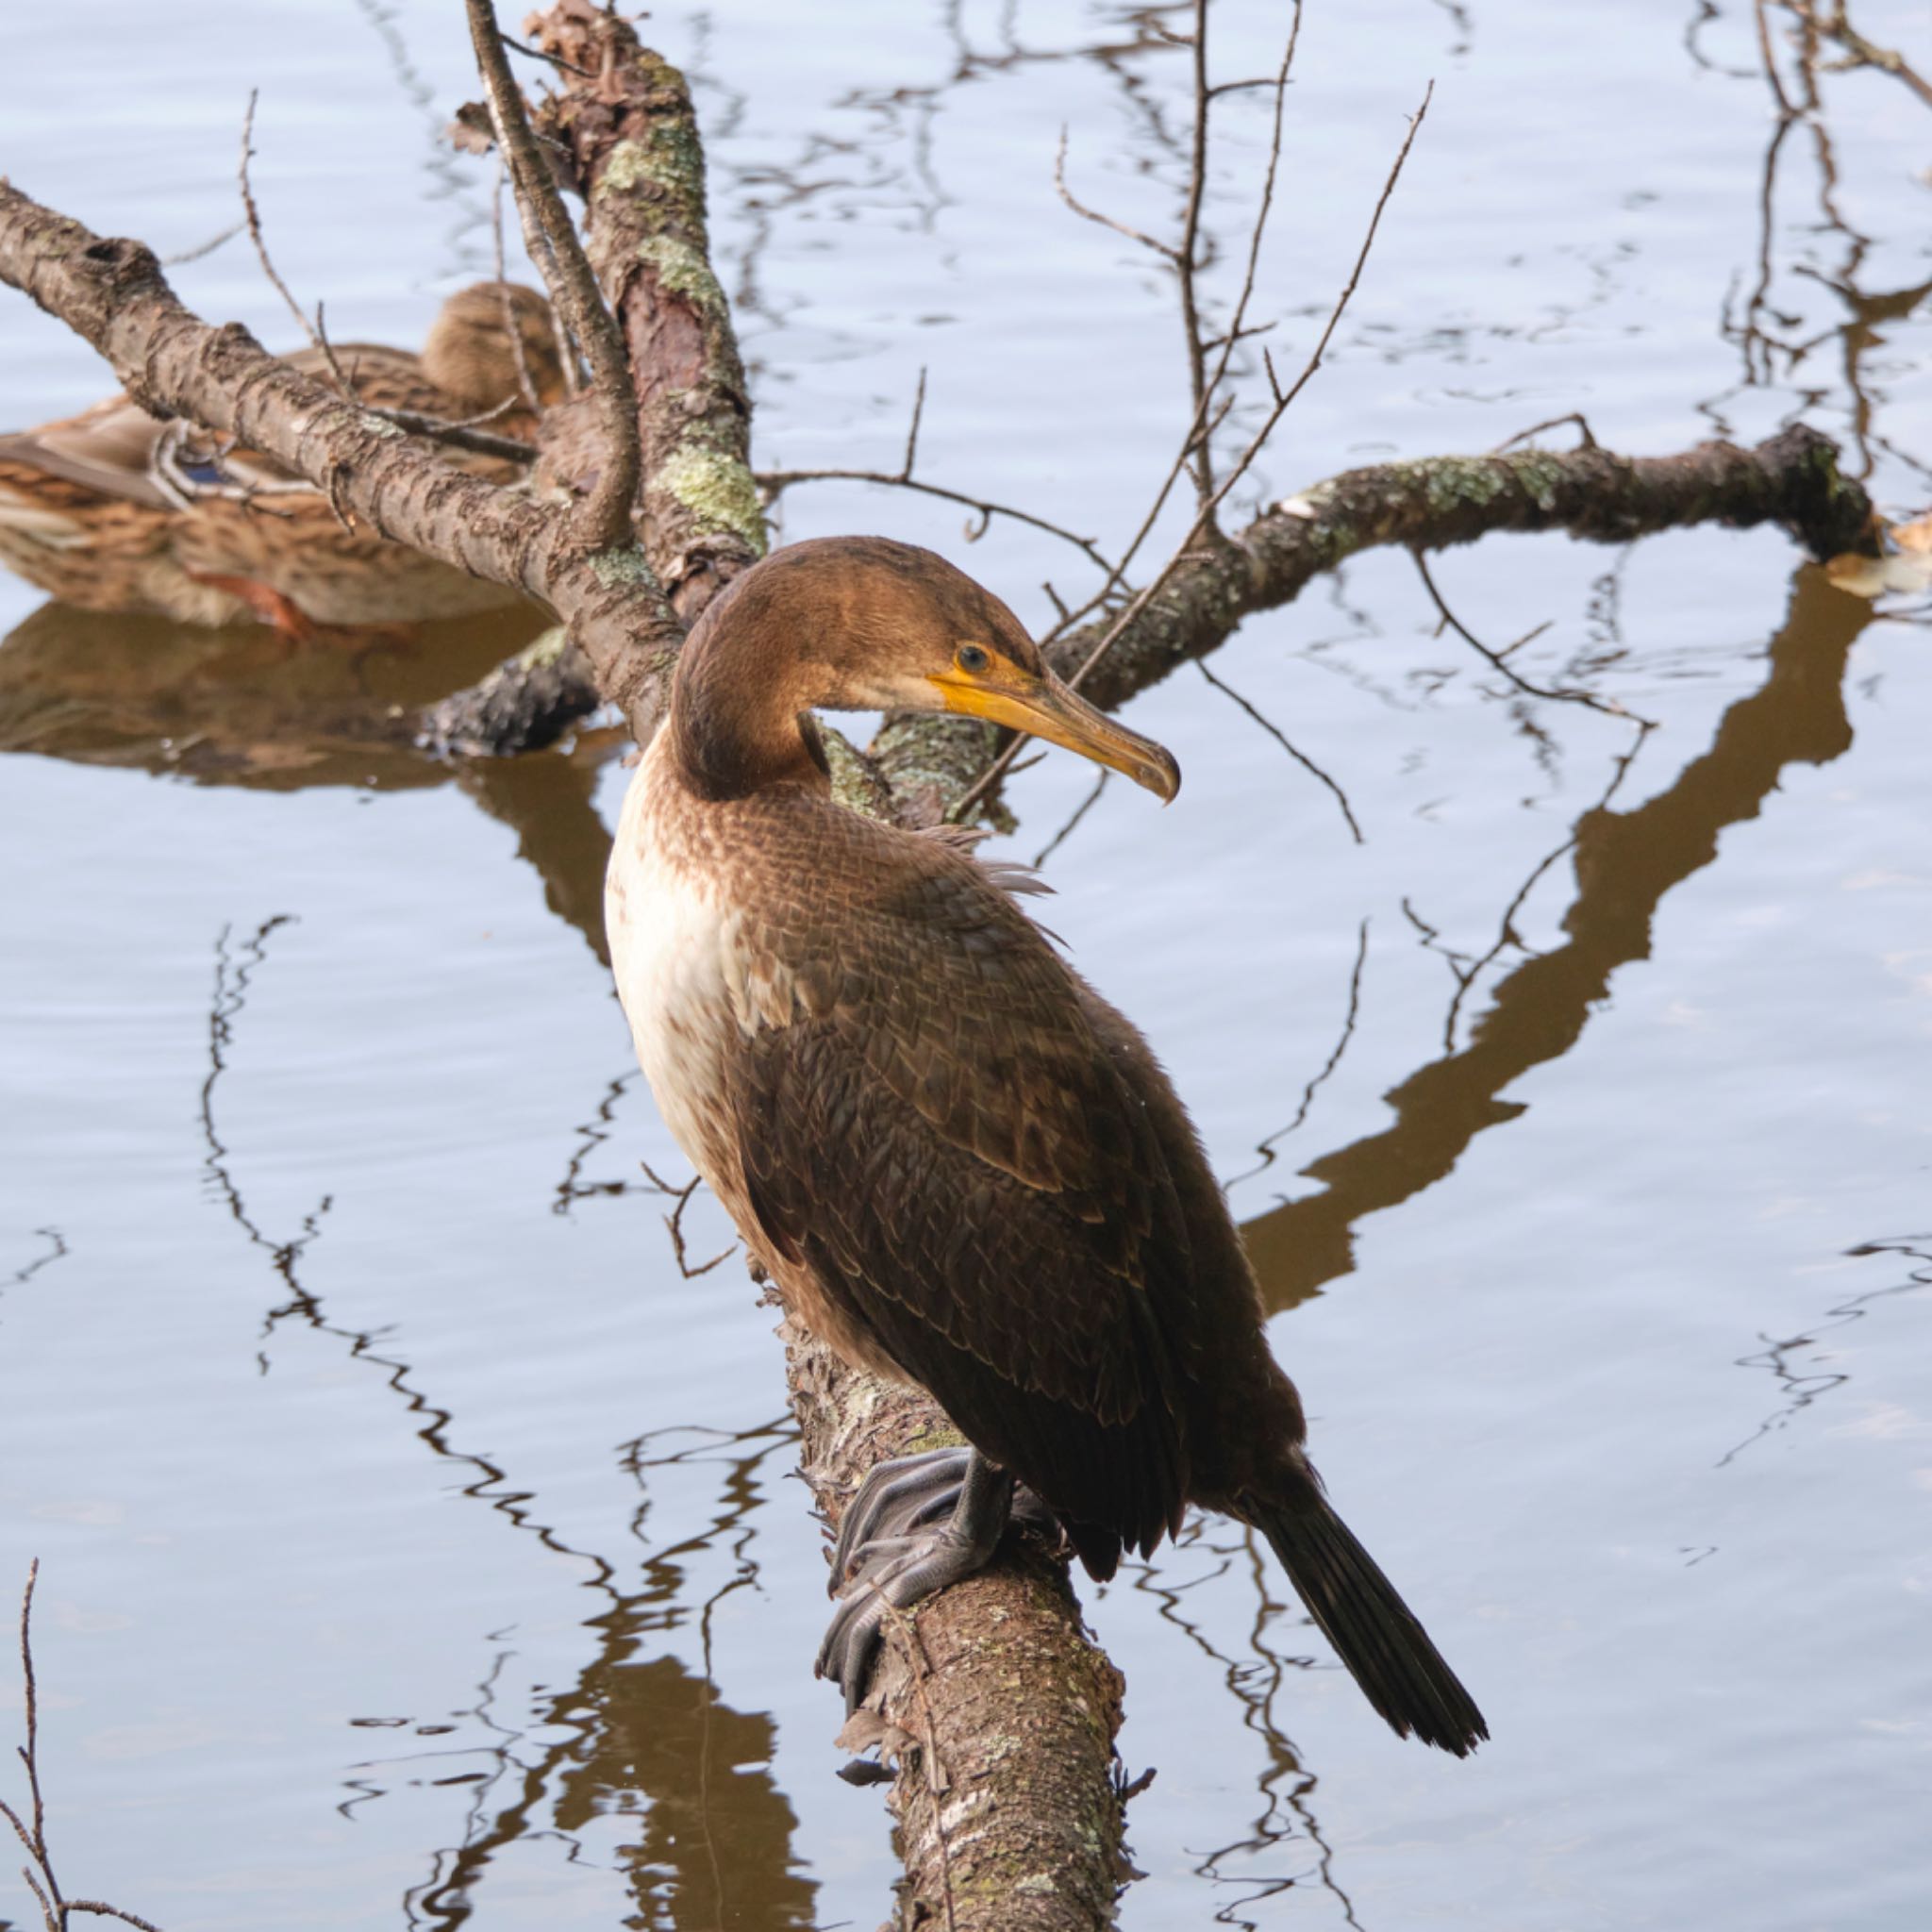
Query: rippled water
{"x": 417, "y": 1544}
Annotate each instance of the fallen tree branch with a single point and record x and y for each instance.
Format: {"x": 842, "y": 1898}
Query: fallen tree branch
{"x": 622, "y": 127}
{"x": 114, "y": 295}
{"x": 1436, "y": 503}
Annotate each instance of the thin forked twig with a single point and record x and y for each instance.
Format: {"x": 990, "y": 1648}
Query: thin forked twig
{"x": 526, "y": 383}
{"x": 318, "y": 340}
{"x": 1497, "y": 659}
{"x": 604, "y": 517}
{"x": 773, "y": 482}
{"x": 1282, "y": 399}
{"x": 675, "y": 1222}
{"x": 1294, "y": 751}
{"x": 1210, "y": 409}
{"x": 1586, "y": 436}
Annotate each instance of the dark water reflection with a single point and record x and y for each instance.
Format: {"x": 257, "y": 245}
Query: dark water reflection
{"x": 1624, "y": 864}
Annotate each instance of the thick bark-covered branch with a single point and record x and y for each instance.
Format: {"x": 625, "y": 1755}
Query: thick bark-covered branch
{"x": 622, "y": 127}
{"x": 1433, "y": 504}
{"x": 113, "y": 293}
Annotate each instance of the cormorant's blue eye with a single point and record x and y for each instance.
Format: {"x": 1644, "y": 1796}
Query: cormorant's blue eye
{"x": 971, "y": 659}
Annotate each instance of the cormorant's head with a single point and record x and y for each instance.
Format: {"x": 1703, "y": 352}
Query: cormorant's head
{"x": 880, "y": 625}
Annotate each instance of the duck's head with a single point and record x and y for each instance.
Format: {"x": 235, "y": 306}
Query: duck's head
{"x": 866, "y": 624}
{"x": 469, "y": 353}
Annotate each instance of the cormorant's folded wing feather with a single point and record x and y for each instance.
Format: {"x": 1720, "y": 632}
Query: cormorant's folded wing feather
{"x": 971, "y": 1177}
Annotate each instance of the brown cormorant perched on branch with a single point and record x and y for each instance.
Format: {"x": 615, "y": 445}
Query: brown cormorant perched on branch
{"x": 962, "y": 1168}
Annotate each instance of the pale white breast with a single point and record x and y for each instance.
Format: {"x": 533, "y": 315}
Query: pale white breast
{"x": 664, "y": 920}
{"x": 688, "y": 981}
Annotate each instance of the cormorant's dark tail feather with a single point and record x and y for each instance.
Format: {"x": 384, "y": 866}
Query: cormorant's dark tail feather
{"x": 1375, "y": 1634}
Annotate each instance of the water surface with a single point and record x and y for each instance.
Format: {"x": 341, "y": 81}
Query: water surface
{"x": 417, "y": 1543}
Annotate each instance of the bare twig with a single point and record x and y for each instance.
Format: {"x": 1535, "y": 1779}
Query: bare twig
{"x": 1066, "y": 831}
{"x": 318, "y": 340}
{"x": 1281, "y": 738}
{"x": 526, "y": 383}
{"x": 1282, "y": 400}
{"x": 774, "y": 481}
{"x": 206, "y": 248}
{"x": 1585, "y": 439}
{"x": 1568, "y": 696}
{"x": 603, "y": 520}
{"x": 675, "y": 1222}
{"x": 1079, "y": 208}
{"x": 543, "y": 54}
{"x": 465, "y": 434}
{"x": 912, "y": 429}
{"x": 1209, "y": 413}
{"x": 1186, "y": 261}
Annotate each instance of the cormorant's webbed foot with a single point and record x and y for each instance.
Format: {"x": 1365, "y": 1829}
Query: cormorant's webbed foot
{"x": 916, "y": 1526}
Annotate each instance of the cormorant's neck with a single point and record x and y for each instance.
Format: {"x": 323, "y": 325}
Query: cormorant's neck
{"x": 740, "y": 717}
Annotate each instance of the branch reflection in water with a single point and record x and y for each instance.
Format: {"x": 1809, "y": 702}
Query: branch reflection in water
{"x": 1624, "y": 864}
{"x": 633, "y": 1734}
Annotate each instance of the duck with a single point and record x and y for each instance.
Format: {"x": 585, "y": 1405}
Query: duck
{"x": 116, "y": 510}
{"x": 959, "y": 1165}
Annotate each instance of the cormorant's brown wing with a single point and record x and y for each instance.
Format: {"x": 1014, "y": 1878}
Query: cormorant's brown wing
{"x": 973, "y": 1179}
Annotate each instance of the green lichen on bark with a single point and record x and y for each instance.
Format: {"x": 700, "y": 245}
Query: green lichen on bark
{"x": 668, "y": 157}
{"x": 629, "y": 565}
{"x": 684, "y": 270}
{"x": 546, "y": 648}
{"x": 716, "y": 489}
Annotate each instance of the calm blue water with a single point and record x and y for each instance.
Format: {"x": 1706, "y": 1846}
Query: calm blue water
{"x": 417, "y": 1544}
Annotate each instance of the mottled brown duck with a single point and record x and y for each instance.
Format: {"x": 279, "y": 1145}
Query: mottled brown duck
{"x": 115, "y": 509}
{"x": 960, "y": 1166}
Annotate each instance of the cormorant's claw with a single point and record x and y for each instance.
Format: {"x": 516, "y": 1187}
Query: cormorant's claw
{"x": 896, "y": 1498}
{"x": 918, "y": 1524}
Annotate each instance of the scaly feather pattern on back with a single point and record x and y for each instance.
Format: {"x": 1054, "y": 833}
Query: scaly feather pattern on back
{"x": 935, "y": 1132}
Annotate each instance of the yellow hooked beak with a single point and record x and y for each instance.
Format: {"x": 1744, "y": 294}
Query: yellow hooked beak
{"x": 1046, "y": 707}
